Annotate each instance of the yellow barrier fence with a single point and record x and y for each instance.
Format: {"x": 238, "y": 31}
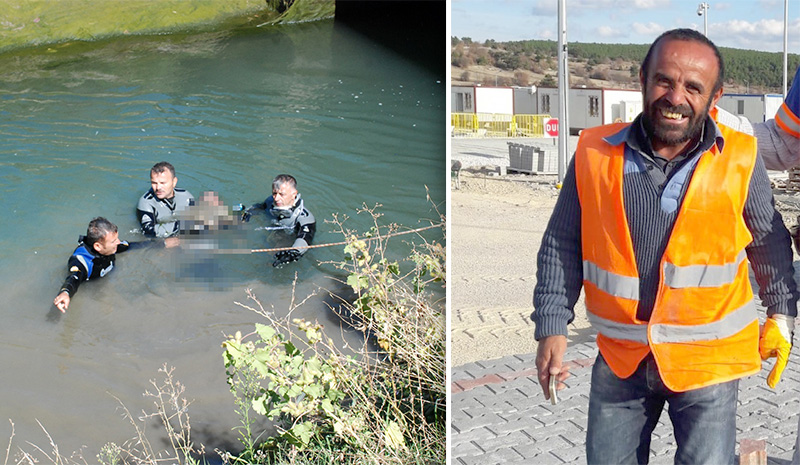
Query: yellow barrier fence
{"x": 497, "y": 125}
{"x": 530, "y": 125}
{"x": 464, "y": 124}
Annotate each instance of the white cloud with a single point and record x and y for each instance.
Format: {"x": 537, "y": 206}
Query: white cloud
{"x": 768, "y": 33}
{"x": 762, "y": 28}
{"x": 648, "y": 29}
{"x": 646, "y": 4}
{"x": 608, "y": 32}
{"x": 547, "y": 35}
{"x": 611, "y": 5}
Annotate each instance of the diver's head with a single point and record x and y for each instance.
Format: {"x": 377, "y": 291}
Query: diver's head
{"x": 102, "y": 236}
{"x": 163, "y": 180}
{"x": 284, "y": 191}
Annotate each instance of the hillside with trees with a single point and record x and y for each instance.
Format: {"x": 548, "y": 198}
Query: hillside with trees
{"x": 535, "y": 62}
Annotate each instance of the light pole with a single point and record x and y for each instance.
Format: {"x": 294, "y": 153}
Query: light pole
{"x": 563, "y": 92}
{"x": 702, "y": 10}
{"x": 785, "y": 44}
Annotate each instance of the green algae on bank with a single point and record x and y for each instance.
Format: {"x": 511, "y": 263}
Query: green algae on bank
{"x": 40, "y": 22}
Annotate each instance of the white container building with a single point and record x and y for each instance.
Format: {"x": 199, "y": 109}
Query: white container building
{"x": 482, "y": 99}
{"x": 755, "y": 107}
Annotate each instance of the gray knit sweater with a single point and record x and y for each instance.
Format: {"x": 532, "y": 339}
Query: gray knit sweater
{"x": 559, "y": 272}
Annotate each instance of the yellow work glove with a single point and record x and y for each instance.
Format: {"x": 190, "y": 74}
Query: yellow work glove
{"x": 776, "y": 341}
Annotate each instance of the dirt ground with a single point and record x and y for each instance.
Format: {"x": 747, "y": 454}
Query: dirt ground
{"x": 497, "y": 224}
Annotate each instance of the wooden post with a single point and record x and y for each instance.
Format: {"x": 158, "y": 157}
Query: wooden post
{"x": 752, "y": 452}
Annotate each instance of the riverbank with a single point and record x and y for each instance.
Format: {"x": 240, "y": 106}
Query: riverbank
{"x": 32, "y": 23}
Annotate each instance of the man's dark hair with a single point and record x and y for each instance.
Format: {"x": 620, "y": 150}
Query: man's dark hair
{"x": 98, "y": 228}
{"x": 282, "y": 179}
{"x": 688, "y": 35}
{"x": 162, "y": 166}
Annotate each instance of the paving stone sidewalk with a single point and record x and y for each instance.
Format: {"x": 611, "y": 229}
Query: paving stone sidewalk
{"x": 500, "y": 416}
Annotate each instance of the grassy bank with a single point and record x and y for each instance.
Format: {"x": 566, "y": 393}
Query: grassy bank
{"x": 26, "y": 23}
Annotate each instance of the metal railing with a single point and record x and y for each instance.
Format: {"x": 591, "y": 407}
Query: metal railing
{"x": 497, "y": 125}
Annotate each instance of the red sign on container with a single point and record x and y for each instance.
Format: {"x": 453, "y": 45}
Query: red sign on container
{"x": 551, "y": 127}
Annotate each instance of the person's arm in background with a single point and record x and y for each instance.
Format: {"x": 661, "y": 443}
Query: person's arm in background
{"x": 778, "y": 138}
{"x": 781, "y": 136}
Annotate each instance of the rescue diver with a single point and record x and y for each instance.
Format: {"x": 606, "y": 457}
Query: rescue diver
{"x": 158, "y": 207}
{"x": 285, "y": 210}
{"x": 93, "y": 258}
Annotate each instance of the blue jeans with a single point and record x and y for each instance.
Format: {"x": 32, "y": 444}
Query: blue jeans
{"x": 624, "y": 412}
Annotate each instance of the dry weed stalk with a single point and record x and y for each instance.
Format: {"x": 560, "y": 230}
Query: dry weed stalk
{"x": 54, "y": 456}
{"x": 171, "y": 410}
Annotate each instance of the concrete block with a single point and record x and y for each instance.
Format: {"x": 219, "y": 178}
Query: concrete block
{"x": 466, "y": 449}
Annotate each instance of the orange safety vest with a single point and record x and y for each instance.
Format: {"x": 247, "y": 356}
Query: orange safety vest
{"x": 704, "y": 326}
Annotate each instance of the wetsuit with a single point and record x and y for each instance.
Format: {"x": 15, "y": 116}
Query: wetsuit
{"x": 158, "y": 217}
{"x": 85, "y": 264}
{"x": 295, "y": 220}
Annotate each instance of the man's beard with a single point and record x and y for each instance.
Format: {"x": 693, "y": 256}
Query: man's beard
{"x": 667, "y": 135}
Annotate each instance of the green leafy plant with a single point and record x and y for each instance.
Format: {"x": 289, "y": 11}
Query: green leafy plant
{"x": 385, "y": 406}
{"x": 270, "y": 376}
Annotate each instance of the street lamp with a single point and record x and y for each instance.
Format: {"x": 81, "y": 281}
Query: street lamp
{"x": 702, "y": 10}
{"x": 563, "y": 91}
{"x": 785, "y": 44}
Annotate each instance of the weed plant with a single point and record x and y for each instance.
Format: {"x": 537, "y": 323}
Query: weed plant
{"x": 386, "y": 406}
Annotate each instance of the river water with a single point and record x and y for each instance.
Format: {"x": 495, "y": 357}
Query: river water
{"x": 80, "y": 127}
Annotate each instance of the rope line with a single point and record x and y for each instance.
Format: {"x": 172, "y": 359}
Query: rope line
{"x": 331, "y": 244}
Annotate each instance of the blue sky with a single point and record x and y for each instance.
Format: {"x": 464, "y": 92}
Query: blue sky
{"x": 745, "y": 24}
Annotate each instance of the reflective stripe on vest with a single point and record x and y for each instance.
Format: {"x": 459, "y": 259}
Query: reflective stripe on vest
{"x": 624, "y": 331}
{"x": 788, "y": 121}
{"x": 680, "y": 277}
{"x": 617, "y": 285}
{"x": 729, "y": 325}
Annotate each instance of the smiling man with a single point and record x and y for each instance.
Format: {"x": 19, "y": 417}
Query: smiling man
{"x": 158, "y": 208}
{"x": 657, "y": 221}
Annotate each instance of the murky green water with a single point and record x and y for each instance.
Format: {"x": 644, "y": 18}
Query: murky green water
{"x": 79, "y": 129}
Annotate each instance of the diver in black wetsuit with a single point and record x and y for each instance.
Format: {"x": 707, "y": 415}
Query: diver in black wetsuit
{"x": 158, "y": 208}
{"x": 93, "y": 258}
{"x": 286, "y": 211}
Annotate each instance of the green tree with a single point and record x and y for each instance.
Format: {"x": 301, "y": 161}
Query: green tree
{"x": 548, "y": 81}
